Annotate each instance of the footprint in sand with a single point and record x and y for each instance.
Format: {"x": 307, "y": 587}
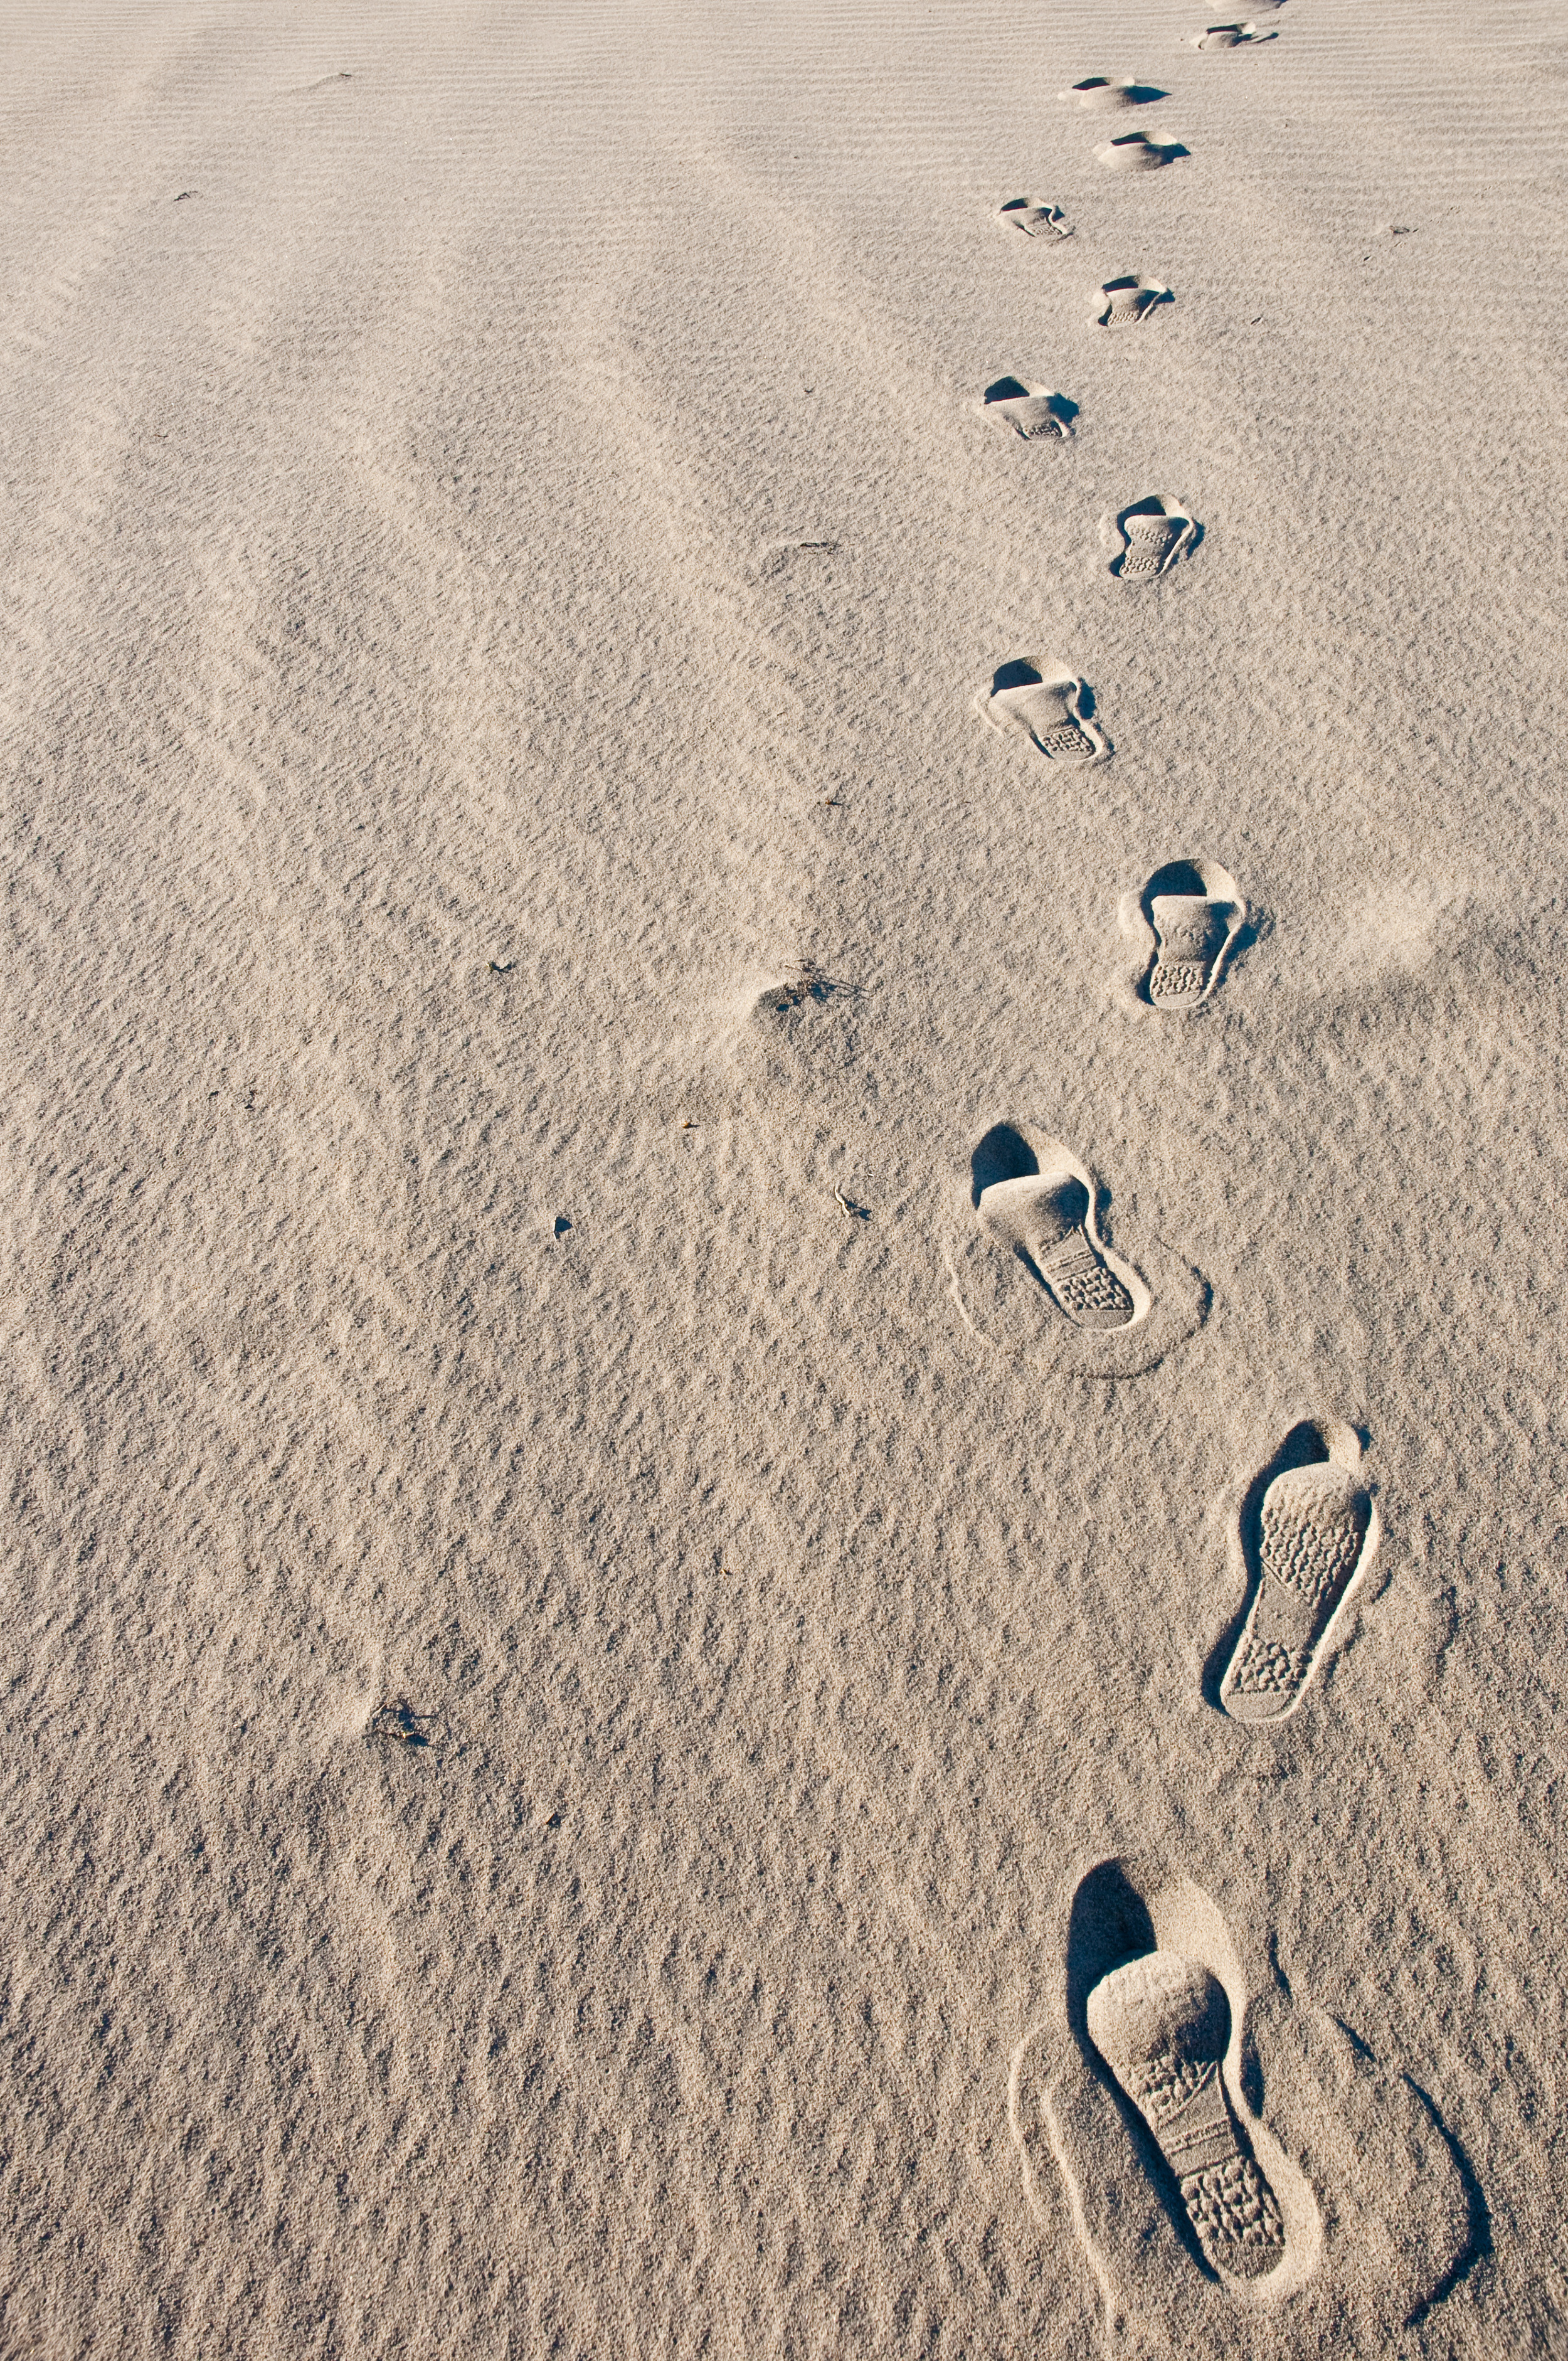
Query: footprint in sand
{"x": 1049, "y": 705}
{"x": 1036, "y": 412}
{"x": 1035, "y": 217}
{"x": 1102, "y": 95}
{"x": 1162, "y": 2024}
{"x": 1033, "y": 1276}
{"x": 1152, "y": 536}
{"x": 1136, "y": 152}
{"x": 1122, "y": 302}
{"x": 1227, "y": 37}
{"x": 1308, "y": 1530}
{"x": 1163, "y": 2004}
{"x": 1187, "y": 922}
{"x": 1040, "y": 1207}
{"x": 793, "y": 1035}
{"x": 1137, "y": 2103}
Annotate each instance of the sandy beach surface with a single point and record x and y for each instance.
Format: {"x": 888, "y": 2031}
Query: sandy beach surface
{"x": 783, "y": 1270}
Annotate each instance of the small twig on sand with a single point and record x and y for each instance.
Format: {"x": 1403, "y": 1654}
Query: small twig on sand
{"x": 399, "y": 1721}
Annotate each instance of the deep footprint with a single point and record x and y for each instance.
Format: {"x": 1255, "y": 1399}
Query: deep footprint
{"x": 1037, "y": 413}
{"x": 1035, "y": 217}
{"x": 1314, "y": 1534}
{"x": 1162, "y": 2024}
{"x": 1193, "y": 912}
{"x": 1154, "y": 536}
{"x": 1047, "y": 1220}
{"x": 1189, "y": 930}
{"x": 1136, "y": 152}
{"x": 1048, "y": 706}
{"x": 1227, "y": 37}
{"x": 1102, "y": 95}
{"x": 1122, "y": 302}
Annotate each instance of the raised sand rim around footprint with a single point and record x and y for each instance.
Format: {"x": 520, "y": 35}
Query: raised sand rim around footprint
{"x": 576, "y": 1624}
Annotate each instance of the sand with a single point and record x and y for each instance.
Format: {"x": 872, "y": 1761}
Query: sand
{"x": 596, "y": 1671}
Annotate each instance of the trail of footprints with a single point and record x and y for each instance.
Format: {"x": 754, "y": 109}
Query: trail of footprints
{"x": 1156, "y": 2020}
{"x": 1306, "y": 1530}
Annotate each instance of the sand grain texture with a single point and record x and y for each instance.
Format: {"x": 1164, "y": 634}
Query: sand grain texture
{"x": 499, "y": 547}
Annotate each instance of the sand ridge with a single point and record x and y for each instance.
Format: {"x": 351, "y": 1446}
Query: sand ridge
{"x": 569, "y": 1785}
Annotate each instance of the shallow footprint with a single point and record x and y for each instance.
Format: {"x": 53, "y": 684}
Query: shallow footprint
{"x": 1035, "y": 217}
{"x": 1136, "y": 152}
{"x": 1186, "y": 922}
{"x": 1103, "y": 96}
{"x": 1227, "y": 37}
{"x": 1151, "y": 536}
{"x": 1036, "y": 412}
{"x": 1307, "y": 1531}
{"x": 1048, "y": 706}
{"x": 1122, "y": 302}
{"x": 1162, "y": 2024}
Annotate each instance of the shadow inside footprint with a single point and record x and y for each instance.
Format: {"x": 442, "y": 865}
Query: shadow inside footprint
{"x": 1307, "y": 1532}
{"x": 1035, "y": 411}
{"x": 1176, "y": 877}
{"x": 1003, "y": 1154}
{"x": 1153, "y": 535}
{"x": 1109, "y": 1922}
{"x": 1124, "y": 302}
{"x": 1034, "y": 217}
{"x": 1135, "y": 151}
{"x": 1228, "y": 37}
{"x": 1106, "y": 93}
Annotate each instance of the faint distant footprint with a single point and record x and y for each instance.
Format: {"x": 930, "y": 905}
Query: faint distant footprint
{"x": 1035, "y": 217}
{"x": 1122, "y": 302}
{"x": 1151, "y": 536}
{"x": 1036, "y": 412}
{"x": 1187, "y": 922}
{"x": 786, "y": 1039}
{"x": 1102, "y": 95}
{"x": 1307, "y": 1532}
{"x": 1134, "y": 152}
{"x": 1048, "y": 704}
{"x": 1227, "y": 37}
{"x": 1038, "y": 1202}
